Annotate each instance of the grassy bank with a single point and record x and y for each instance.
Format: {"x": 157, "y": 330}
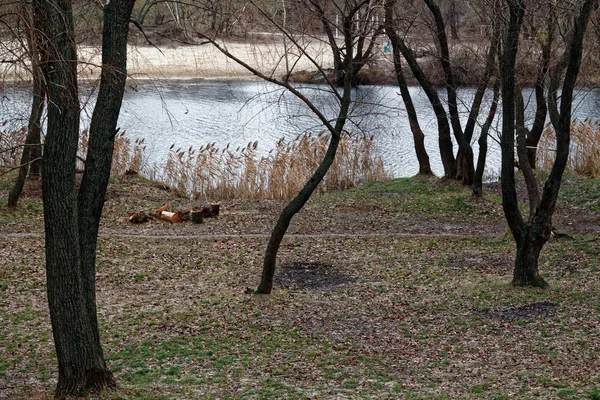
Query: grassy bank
{"x": 390, "y": 290}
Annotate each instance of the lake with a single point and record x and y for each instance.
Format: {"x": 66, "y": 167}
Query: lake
{"x": 196, "y": 112}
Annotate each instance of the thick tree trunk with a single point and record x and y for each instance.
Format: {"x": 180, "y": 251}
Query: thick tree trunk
{"x": 533, "y": 239}
{"x": 418, "y": 136}
{"x": 72, "y": 223}
{"x": 80, "y": 366}
{"x": 530, "y": 238}
{"x": 526, "y": 262}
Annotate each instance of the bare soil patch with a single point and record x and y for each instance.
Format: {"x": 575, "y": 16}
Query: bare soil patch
{"x": 543, "y": 309}
{"x": 310, "y": 276}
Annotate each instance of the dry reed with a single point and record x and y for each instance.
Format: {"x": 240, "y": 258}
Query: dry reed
{"x": 584, "y": 156}
{"x": 213, "y": 173}
{"x": 128, "y": 156}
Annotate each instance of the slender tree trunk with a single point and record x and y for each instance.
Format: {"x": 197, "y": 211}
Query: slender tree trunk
{"x": 528, "y": 173}
{"x": 32, "y": 149}
{"x": 444, "y": 131}
{"x": 338, "y": 65}
{"x": 418, "y": 136}
{"x": 270, "y": 260}
{"x": 453, "y": 20}
{"x": 541, "y": 112}
{"x": 483, "y": 142}
{"x": 32, "y": 142}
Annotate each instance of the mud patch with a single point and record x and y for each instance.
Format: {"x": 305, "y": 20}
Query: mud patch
{"x": 521, "y": 312}
{"x": 310, "y": 276}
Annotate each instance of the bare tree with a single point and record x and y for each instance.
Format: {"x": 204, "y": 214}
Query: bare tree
{"x": 366, "y": 27}
{"x": 335, "y": 126}
{"x": 531, "y": 235}
{"x": 32, "y": 147}
{"x": 417, "y": 132}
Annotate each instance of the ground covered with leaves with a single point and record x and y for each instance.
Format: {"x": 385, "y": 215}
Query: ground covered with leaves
{"x": 393, "y": 290}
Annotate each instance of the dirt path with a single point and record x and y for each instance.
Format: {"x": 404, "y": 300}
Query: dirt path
{"x": 259, "y": 235}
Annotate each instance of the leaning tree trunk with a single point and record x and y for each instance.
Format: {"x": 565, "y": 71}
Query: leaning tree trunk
{"x": 32, "y": 141}
{"x": 444, "y": 131}
{"x": 418, "y": 136}
{"x": 465, "y": 159}
{"x": 31, "y": 149}
{"x": 270, "y": 260}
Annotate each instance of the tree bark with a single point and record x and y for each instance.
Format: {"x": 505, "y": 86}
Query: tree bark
{"x": 526, "y": 272}
{"x": 528, "y": 174}
{"x": 78, "y": 365}
{"x": 103, "y": 128}
{"x": 531, "y": 237}
{"x": 541, "y": 112}
{"x": 483, "y": 139}
{"x": 71, "y": 222}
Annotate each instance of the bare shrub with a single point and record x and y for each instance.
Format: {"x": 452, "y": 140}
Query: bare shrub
{"x": 11, "y": 142}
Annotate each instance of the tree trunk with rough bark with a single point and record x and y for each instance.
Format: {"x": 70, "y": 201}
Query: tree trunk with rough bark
{"x": 70, "y": 221}
{"x": 530, "y": 237}
{"x": 465, "y": 159}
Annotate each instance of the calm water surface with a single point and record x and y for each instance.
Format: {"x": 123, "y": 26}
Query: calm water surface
{"x": 193, "y": 113}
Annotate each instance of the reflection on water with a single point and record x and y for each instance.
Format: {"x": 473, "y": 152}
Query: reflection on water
{"x": 192, "y": 113}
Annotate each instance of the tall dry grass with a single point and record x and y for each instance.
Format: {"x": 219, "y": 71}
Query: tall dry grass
{"x": 211, "y": 172}
{"x": 584, "y": 157}
{"x": 128, "y": 156}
